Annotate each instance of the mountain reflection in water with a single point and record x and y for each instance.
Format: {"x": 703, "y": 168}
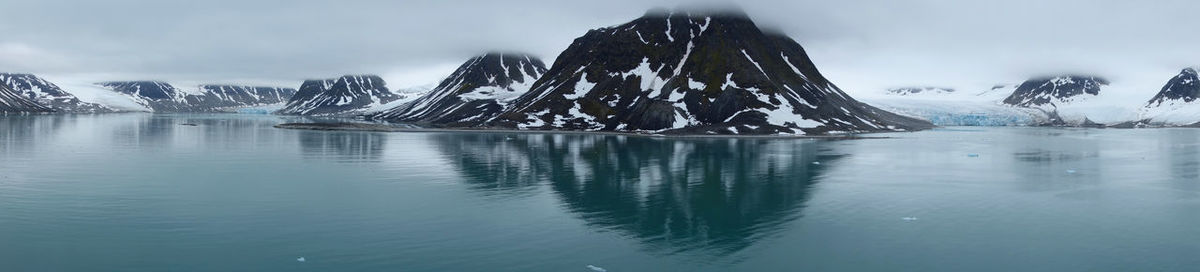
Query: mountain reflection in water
{"x": 673, "y": 195}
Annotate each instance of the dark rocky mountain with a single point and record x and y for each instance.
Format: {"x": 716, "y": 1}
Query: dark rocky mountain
{"x": 1051, "y": 91}
{"x": 46, "y": 93}
{"x": 1183, "y": 88}
{"x": 348, "y": 95}
{"x": 476, "y": 92}
{"x": 686, "y": 72}
{"x": 919, "y": 90}
{"x": 12, "y": 102}
{"x": 163, "y": 97}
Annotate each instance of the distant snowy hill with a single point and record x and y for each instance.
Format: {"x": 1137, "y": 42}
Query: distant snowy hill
{"x": 347, "y": 95}
{"x": 48, "y": 94}
{"x": 692, "y": 73}
{"x": 232, "y": 96}
{"x": 919, "y": 91}
{"x": 13, "y": 102}
{"x": 475, "y": 93}
{"x": 163, "y": 97}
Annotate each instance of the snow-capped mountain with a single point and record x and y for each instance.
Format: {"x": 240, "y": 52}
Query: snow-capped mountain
{"x": 12, "y": 102}
{"x": 1052, "y": 91}
{"x": 1065, "y": 100}
{"x": 476, "y": 92}
{"x": 348, "y": 95}
{"x": 1181, "y": 89}
{"x": 1176, "y": 103}
{"x": 693, "y": 73}
{"x": 48, "y": 94}
{"x": 160, "y": 96}
{"x": 919, "y": 91}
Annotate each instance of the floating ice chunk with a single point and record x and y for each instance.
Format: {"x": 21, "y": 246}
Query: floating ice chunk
{"x": 909, "y": 218}
{"x": 1070, "y": 171}
{"x": 301, "y": 259}
{"x": 972, "y": 155}
{"x": 816, "y": 163}
{"x": 597, "y": 268}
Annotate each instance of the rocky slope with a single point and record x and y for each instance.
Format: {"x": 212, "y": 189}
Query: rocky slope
{"x": 12, "y": 102}
{"x": 692, "y": 73}
{"x": 347, "y": 95}
{"x": 475, "y": 93}
{"x": 48, "y": 94}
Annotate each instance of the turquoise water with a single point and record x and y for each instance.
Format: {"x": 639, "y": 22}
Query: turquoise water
{"x": 140, "y": 192}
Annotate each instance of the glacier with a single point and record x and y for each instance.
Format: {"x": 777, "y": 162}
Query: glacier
{"x": 957, "y": 108}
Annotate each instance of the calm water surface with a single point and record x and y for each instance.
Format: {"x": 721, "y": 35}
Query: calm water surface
{"x": 140, "y": 192}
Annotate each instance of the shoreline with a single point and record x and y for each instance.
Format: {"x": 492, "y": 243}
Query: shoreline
{"x": 375, "y": 127}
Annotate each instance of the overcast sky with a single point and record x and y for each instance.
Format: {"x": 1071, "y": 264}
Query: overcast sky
{"x": 863, "y": 46}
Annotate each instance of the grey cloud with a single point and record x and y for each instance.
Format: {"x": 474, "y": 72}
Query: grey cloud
{"x": 863, "y": 45}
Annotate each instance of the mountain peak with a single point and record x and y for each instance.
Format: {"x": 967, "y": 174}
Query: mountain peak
{"x": 712, "y": 74}
{"x": 1182, "y": 88}
{"x": 1189, "y": 70}
{"x": 476, "y": 92}
{"x": 700, "y": 11}
{"x": 1071, "y": 78}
